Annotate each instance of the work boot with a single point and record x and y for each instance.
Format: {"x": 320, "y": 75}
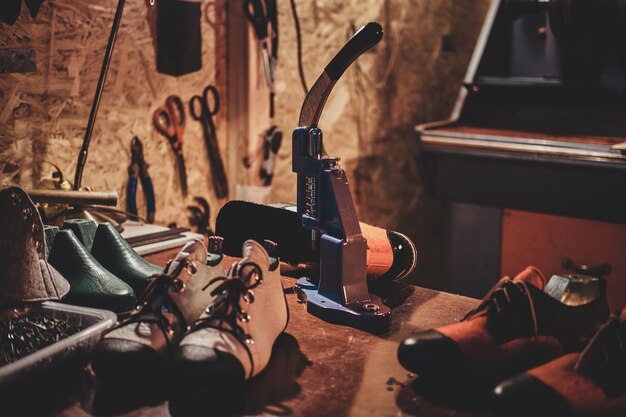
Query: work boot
{"x": 232, "y": 341}
{"x": 91, "y": 285}
{"x": 591, "y": 382}
{"x": 114, "y": 253}
{"x": 143, "y": 343}
{"x": 515, "y": 327}
{"x": 390, "y": 255}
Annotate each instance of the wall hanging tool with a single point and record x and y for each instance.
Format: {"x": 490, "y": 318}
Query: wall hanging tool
{"x": 170, "y": 122}
{"x": 326, "y": 208}
{"x": 138, "y": 172}
{"x": 201, "y": 110}
{"x": 263, "y": 17}
{"x": 199, "y": 216}
{"x": 179, "y": 38}
{"x": 271, "y": 144}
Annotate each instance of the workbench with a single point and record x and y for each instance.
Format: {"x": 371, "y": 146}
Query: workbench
{"x": 317, "y": 368}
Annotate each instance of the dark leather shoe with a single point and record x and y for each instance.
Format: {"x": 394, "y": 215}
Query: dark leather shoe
{"x": 526, "y": 395}
{"x": 516, "y": 327}
{"x": 432, "y": 355}
{"x": 90, "y": 284}
{"x": 116, "y": 255}
{"x": 589, "y": 382}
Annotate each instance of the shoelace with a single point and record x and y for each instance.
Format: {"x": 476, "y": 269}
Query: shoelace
{"x": 609, "y": 342}
{"x": 147, "y": 311}
{"x": 242, "y": 278}
{"x": 502, "y": 302}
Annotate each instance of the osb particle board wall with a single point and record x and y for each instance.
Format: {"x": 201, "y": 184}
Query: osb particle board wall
{"x": 368, "y": 121}
{"x": 369, "y": 118}
{"x": 43, "y": 115}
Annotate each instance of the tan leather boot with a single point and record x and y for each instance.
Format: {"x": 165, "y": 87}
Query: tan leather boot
{"x": 143, "y": 343}
{"x": 233, "y": 339}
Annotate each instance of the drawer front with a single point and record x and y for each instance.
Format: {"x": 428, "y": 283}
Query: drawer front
{"x": 545, "y": 240}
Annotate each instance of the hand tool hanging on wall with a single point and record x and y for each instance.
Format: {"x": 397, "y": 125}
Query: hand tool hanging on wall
{"x": 138, "y": 172}
{"x": 271, "y": 143}
{"x": 203, "y": 111}
{"x": 170, "y": 122}
{"x": 264, "y": 19}
{"x": 326, "y": 208}
{"x": 199, "y": 216}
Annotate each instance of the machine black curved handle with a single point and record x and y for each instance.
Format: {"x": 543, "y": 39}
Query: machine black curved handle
{"x": 365, "y": 38}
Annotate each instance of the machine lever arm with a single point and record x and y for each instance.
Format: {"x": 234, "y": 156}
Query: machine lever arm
{"x": 313, "y": 105}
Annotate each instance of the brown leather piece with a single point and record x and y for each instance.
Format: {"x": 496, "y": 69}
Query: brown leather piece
{"x": 379, "y": 251}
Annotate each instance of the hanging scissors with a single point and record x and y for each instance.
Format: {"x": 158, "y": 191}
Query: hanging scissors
{"x": 202, "y": 109}
{"x": 264, "y": 19}
{"x": 169, "y": 121}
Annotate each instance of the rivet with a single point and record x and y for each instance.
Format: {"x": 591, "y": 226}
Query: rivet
{"x": 371, "y": 307}
{"x": 243, "y": 317}
{"x": 248, "y": 297}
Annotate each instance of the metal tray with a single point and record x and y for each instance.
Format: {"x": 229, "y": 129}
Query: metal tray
{"x": 91, "y": 322}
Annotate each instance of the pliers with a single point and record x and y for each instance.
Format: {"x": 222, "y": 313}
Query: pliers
{"x": 138, "y": 171}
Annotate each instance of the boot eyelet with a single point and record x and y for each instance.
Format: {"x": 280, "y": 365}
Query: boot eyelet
{"x": 248, "y": 297}
{"x": 248, "y": 339}
{"x": 26, "y": 213}
{"x": 15, "y": 199}
{"x": 192, "y": 268}
{"x": 243, "y": 316}
{"x": 178, "y": 286}
{"x": 257, "y": 278}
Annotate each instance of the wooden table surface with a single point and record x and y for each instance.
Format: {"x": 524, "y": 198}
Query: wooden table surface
{"x": 320, "y": 369}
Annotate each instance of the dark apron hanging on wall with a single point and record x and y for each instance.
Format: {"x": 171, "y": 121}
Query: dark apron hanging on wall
{"x": 179, "y": 40}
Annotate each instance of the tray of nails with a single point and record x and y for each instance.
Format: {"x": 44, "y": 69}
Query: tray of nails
{"x": 39, "y": 336}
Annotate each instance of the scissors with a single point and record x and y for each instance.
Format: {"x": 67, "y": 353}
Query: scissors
{"x": 170, "y": 122}
{"x": 263, "y": 17}
{"x": 202, "y": 109}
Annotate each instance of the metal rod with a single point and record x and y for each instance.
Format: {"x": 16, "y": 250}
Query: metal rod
{"x": 82, "y": 156}
{"x": 105, "y": 198}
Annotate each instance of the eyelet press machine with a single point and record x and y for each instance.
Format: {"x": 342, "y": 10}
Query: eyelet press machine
{"x": 325, "y": 205}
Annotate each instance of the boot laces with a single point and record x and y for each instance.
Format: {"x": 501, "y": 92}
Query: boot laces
{"x": 502, "y": 303}
{"x": 242, "y": 278}
{"x": 608, "y": 345}
{"x": 155, "y": 303}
